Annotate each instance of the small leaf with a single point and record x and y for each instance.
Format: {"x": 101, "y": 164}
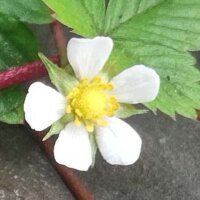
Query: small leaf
{"x": 63, "y": 81}
{"x": 84, "y": 16}
{"x": 31, "y": 11}
{"x": 127, "y": 110}
{"x": 10, "y": 99}
{"x": 58, "y": 126}
{"x": 15, "y": 116}
{"x": 11, "y": 105}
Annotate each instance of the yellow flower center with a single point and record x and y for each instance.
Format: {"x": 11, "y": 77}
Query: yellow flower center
{"x": 90, "y": 102}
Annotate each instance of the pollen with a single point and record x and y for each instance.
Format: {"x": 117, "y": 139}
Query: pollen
{"x": 90, "y": 102}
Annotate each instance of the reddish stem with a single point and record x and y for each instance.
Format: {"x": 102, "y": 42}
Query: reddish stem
{"x": 68, "y": 175}
{"x": 198, "y": 115}
{"x": 19, "y": 74}
{"x": 61, "y": 42}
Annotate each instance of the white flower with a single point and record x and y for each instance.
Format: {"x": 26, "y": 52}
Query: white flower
{"x": 93, "y": 103}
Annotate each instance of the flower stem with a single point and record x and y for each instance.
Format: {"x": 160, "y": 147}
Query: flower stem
{"x": 20, "y": 74}
{"x": 60, "y": 41}
{"x": 68, "y": 175}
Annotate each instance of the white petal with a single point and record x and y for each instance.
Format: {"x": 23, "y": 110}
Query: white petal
{"x": 118, "y": 143}
{"x": 43, "y": 106}
{"x": 73, "y": 148}
{"x": 138, "y": 84}
{"x": 88, "y": 56}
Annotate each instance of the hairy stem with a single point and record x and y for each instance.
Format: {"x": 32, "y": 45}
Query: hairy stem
{"x": 20, "y": 74}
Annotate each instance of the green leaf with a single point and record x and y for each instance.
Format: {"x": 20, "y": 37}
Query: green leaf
{"x": 63, "y": 81}
{"x": 159, "y": 34}
{"x": 11, "y": 105}
{"x": 127, "y": 110}
{"x": 84, "y": 16}
{"x": 10, "y": 99}
{"x": 18, "y": 46}
{"x": 58, "y": 126}
{"x": 15, "y": 116}
{"x": 120, "y": 11}
{"x": 17, "y": 43}
{"x": 32, "y": 11}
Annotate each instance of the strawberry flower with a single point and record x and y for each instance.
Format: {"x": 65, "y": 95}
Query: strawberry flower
{"x": 93, "y": 102}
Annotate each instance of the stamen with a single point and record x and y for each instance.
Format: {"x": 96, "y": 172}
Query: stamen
{"x": 78, "y": 112}
{"x": 90, "y": 103}
{"x": 89, "y": 127}
{"x": 77, "y": 121}
{"x": 69, "y": 109}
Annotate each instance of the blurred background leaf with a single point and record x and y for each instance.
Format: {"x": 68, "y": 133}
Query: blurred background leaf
{"x": 18, "y": 46}
{"x": 17, "y": 43}
{"x": 31, "y": 11}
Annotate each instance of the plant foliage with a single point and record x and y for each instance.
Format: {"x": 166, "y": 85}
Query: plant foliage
{"x": 157, "y": 33}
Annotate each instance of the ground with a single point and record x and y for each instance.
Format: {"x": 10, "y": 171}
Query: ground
{"x": 168, "y": 169}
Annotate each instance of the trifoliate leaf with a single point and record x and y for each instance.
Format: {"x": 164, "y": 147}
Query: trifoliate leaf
{"x": 31, "y": 11}
{"x": 58, "y": 126}
{"x": 63, "y": 81}
{"x": 84, "y": 16}
{"x": 127, "y": 110}
{"x": 159, "y": 34}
